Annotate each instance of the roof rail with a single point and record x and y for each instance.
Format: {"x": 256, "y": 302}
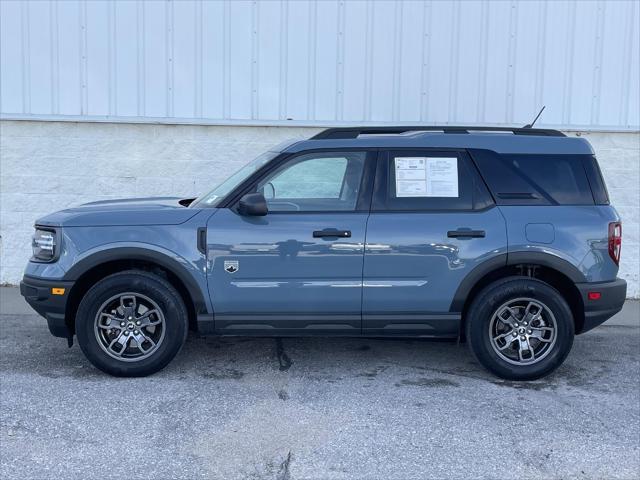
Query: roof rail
{"x": 354, "y": 132}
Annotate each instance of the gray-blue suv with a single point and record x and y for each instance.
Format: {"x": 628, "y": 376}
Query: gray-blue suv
{"x": 503, "y": 238}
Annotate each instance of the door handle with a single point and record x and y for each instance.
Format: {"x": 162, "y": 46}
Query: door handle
{"x": 331, "y": 232}
{"x": 460, "y": 233}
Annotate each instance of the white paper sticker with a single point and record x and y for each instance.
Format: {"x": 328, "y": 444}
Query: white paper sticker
{"x": 426, "y": 176}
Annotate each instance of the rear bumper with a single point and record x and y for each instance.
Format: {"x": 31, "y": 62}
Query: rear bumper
{"x": 612, "y": 297}
{"x": 37, "y": 292}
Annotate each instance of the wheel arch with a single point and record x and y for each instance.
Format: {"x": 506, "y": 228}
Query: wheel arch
{"x": 555, "y": 271}
{"x": 92, "y": 268}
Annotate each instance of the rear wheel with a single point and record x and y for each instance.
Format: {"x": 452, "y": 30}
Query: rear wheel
{"x": 131, "y": 323}
{"x": 520, "y": 328}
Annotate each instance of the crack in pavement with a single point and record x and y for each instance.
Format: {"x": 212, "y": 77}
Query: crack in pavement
{"x": 284, "y": 473}
{"x": 283, "y": 359}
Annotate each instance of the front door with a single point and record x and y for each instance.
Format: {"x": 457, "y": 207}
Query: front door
{"x": 298, "y": 269}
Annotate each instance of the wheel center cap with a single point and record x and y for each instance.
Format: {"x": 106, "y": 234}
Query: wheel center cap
{"x": 131, "y": 326}
{"x": 521, "y": 330}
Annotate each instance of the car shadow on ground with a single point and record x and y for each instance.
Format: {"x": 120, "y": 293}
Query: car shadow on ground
{"x": 402, "y": 362}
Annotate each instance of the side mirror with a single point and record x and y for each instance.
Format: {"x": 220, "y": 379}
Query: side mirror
{"x": 253, "y": 205}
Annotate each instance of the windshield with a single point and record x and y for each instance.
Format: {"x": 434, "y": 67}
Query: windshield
{"x": 214, "y": 197}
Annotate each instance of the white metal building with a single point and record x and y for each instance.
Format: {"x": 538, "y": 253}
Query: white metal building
{"x": 91, "y": 91}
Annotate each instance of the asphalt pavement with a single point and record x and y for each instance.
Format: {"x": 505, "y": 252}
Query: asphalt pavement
{"x": 316, "y": 408}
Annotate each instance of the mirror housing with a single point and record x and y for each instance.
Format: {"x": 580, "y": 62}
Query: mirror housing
{"x": 253, "y": 205}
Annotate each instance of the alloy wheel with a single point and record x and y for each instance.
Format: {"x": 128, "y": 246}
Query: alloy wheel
{"x": 523, "y": 331}
{"x": 129, "y": 327}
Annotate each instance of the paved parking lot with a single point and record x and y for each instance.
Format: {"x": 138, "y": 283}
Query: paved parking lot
{"x": 316, "y": 408}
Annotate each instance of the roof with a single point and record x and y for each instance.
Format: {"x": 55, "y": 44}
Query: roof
{"x": 500, "y": 140}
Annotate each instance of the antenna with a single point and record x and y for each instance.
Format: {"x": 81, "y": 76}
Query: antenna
{"x": 530, "y": 125}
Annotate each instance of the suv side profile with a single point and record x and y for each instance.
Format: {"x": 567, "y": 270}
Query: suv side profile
{"x": 503, "y": 238}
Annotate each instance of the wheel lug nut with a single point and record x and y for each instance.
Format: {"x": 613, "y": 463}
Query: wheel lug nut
{"x": 529, "y": 332}
{"x": 522, "y": 337}
{"x": 122, "y": 324}
{"x": 130, "y": 318}
{"x": 517, "y": 325}
{"x": 515, "y": 334}
{"x": 138, "y": 322}
{"x": 136, "y": 332}
{"x": 126, "y": 334}
{"x": 526, "y": 323}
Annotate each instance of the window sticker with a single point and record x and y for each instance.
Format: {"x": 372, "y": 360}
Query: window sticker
{"x": 426, "y": 176}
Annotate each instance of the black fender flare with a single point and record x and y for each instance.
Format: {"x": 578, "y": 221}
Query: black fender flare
{"x": 509, "y": 259}
{"x": 181, "y": 269}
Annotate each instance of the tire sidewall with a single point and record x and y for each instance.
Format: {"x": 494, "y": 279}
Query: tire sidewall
{"x": 150, "y": 285}
{"x": 486, "y": 304}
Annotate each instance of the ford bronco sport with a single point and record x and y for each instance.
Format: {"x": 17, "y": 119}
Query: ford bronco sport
{"x": 503, "y": 238}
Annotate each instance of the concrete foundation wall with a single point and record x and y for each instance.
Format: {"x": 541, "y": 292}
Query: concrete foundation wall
{"x": 47, "y": 166}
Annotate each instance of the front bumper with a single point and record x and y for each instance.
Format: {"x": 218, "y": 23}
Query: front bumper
{"x": 612, "y": 297}
{"x": 38, "y": 294}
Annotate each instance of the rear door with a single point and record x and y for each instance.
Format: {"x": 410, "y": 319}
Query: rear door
{"x": 432, "y": 221}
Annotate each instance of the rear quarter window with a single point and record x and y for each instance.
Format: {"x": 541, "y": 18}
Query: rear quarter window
{"x": 535, "y": 179}
{"x": 594, "y": 175}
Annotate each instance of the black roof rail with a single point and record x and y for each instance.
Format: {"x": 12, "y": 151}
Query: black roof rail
{"x": 354, "y": 132}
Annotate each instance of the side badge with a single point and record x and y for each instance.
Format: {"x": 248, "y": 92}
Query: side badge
{"x": 231, "y": 266}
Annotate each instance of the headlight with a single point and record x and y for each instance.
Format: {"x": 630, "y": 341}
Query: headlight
{"x": 44, "y": 245}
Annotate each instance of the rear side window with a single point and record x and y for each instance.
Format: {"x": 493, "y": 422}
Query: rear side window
{"x": 426, "y": 180}
{"x": 535, "y": 179}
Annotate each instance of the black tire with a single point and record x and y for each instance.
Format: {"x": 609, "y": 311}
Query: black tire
{"x": 479, "y": 324}
{"x": 154, "y": 288}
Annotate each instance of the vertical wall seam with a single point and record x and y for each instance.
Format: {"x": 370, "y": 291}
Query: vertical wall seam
{"x": 26, "y": 58}
{"x": 368, "y": 60}
{"x": 568, "y": 69}
{"x": 55, "y": 58}
{"x": 482, "y": 68}
{"x": 397, "y": 60}
{"x": 625, "y": 84}
{"x": 394, "y": 63}
{"x": 512, "y": 49}
{"x": 198, "y": 41}
{"x": 169, "y": 56}
{"x": 284, "y": 49}
{"x": 226, "y": 60}
{"x": 339, "y": 105}
{"x": 311, "y": 67}
{"x": 254, "y": 59}
{"x": 540, "y": 57}
{"x": 597, "y": 63}
{"x": 140, "y": 57}
{"x": 425, "y": 70}
{"x": 454, "y": 66}
{"x": 84, "y": 61}
{"x": 112, "y": 54}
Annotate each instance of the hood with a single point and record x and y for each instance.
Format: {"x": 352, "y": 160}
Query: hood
{"x": 132, "y": 211}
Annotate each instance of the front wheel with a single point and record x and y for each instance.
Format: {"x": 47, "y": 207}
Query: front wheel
{"x": 131, "y": 323}
{"x": 520, "y": 328}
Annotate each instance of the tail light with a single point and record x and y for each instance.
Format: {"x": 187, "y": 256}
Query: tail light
{"x": 615, "y": 241}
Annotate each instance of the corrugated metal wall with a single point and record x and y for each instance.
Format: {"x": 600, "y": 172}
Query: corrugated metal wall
{"x": 317, "y": 62}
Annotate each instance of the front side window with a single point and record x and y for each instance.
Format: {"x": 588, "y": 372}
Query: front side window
{"x": 328, "y": 181}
